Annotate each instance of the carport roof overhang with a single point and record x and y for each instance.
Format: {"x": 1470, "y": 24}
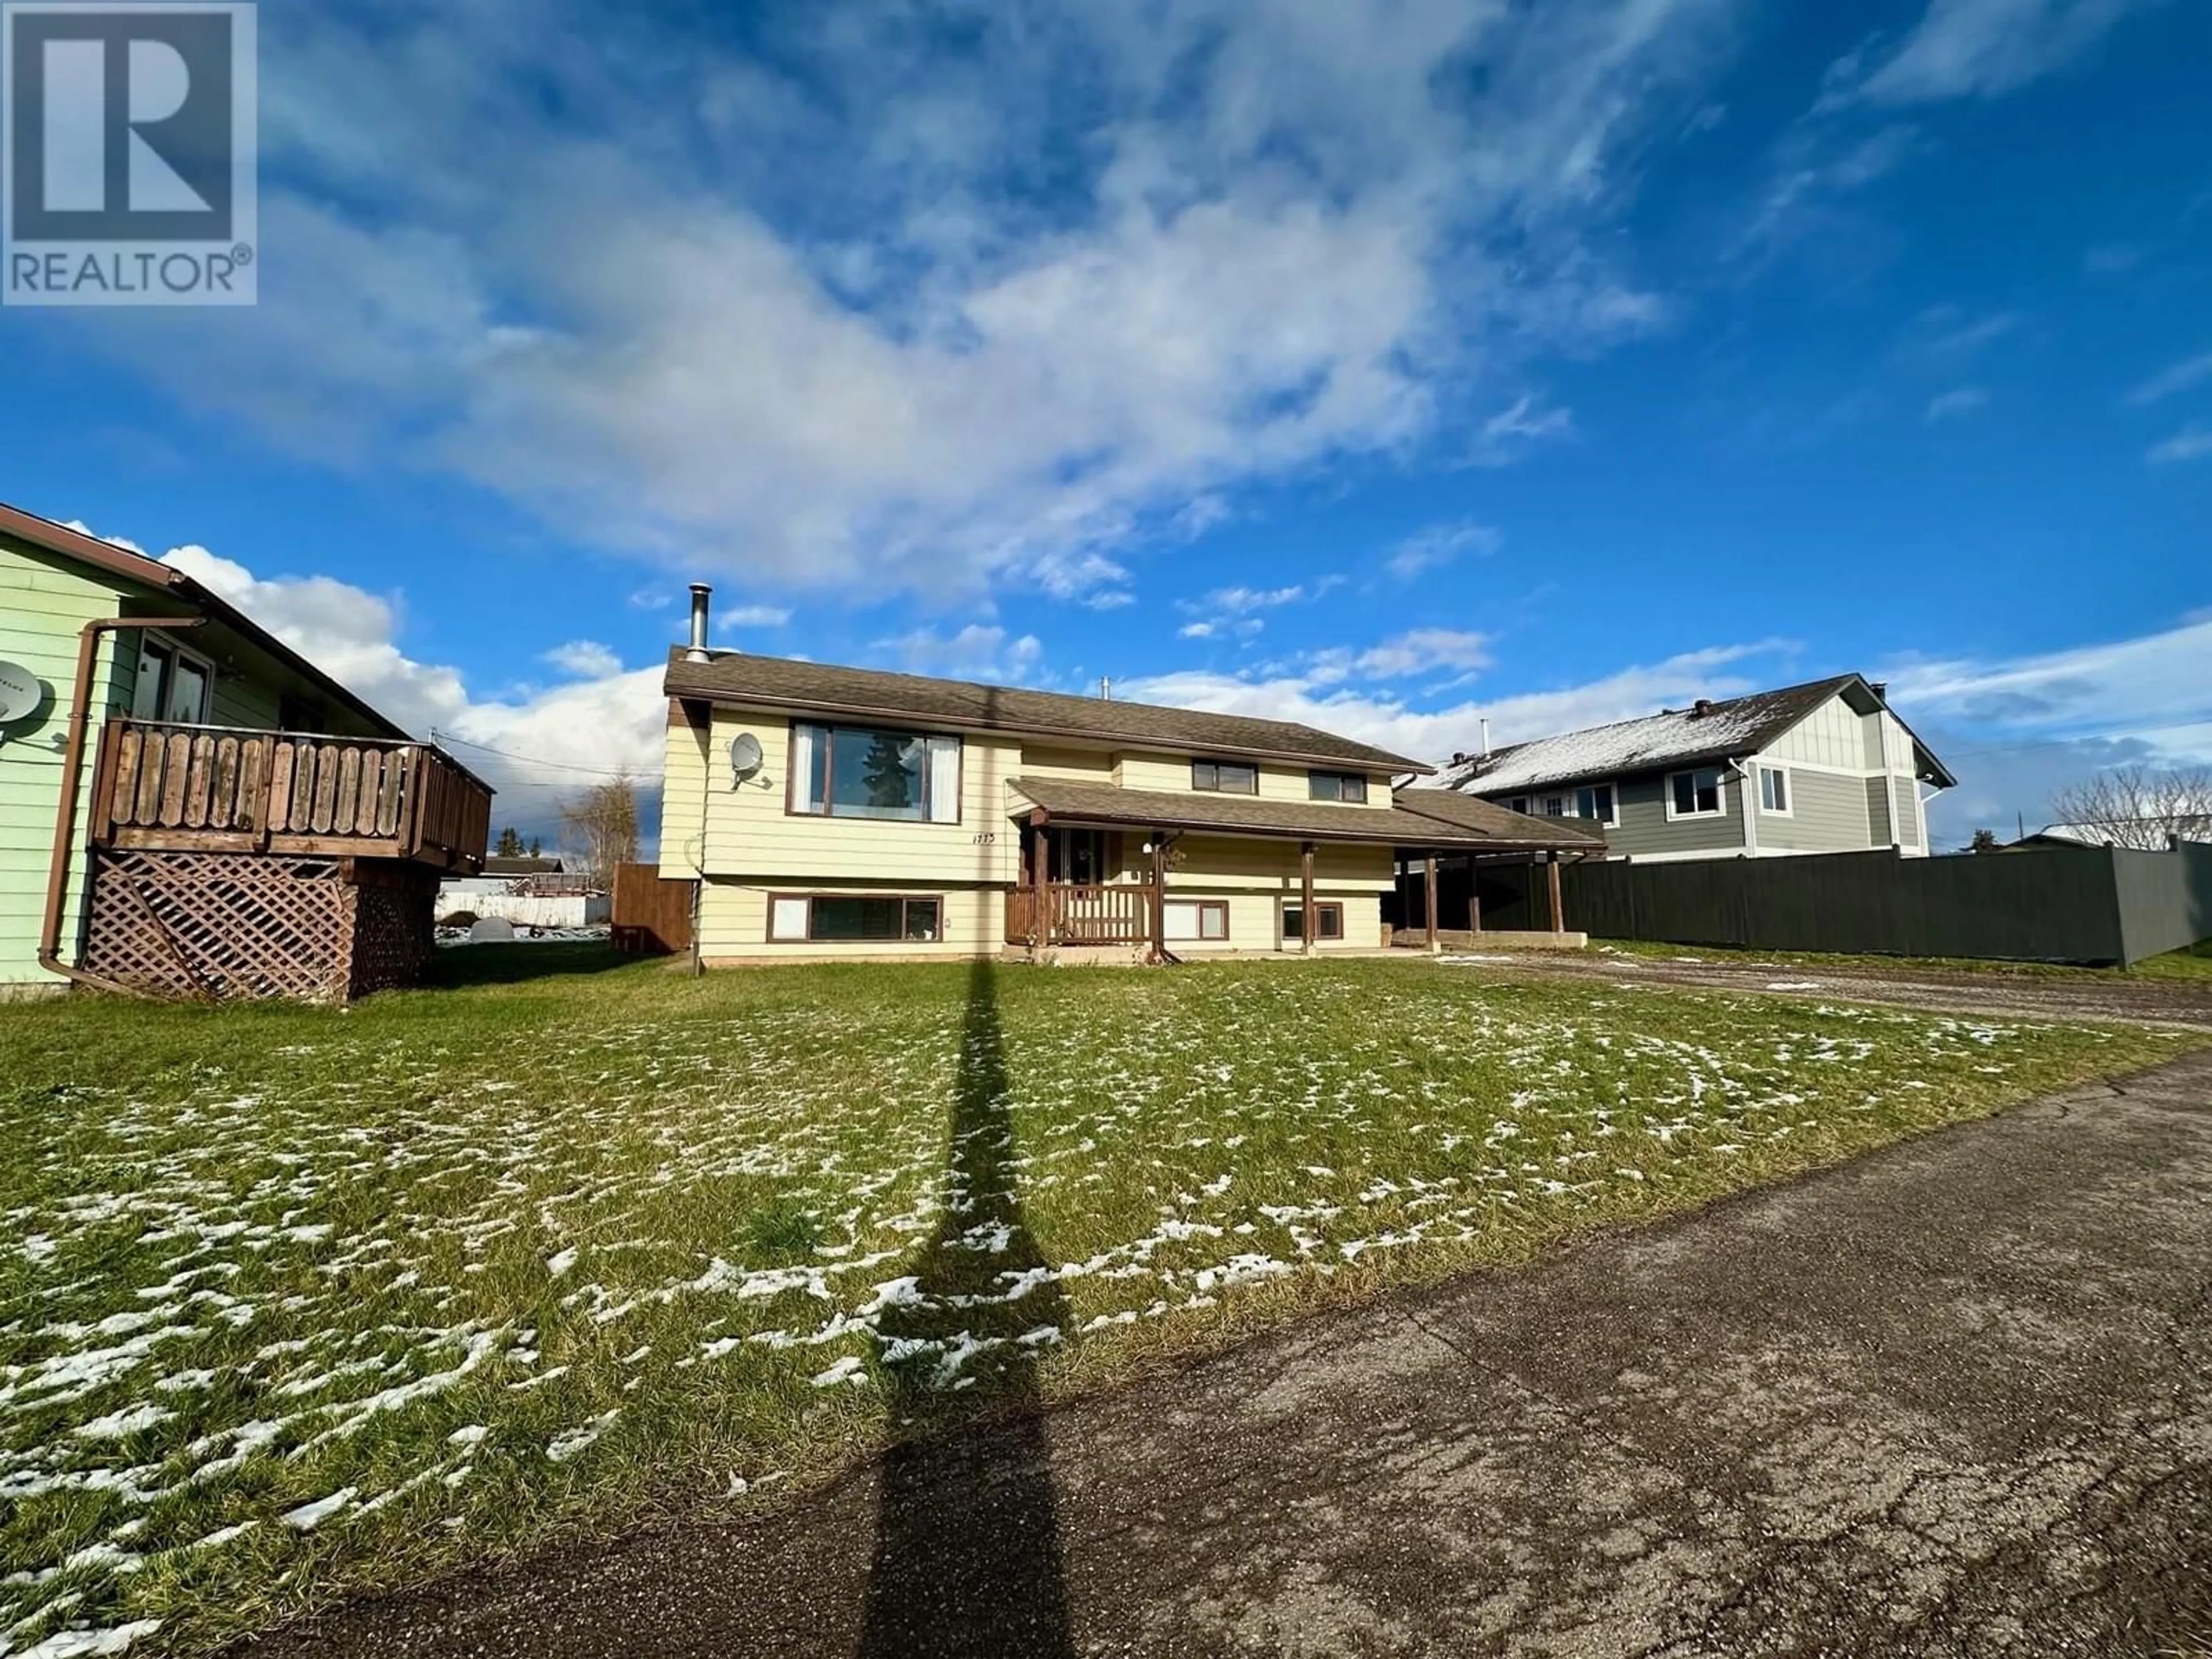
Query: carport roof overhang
{"x": 1090, "y": 805}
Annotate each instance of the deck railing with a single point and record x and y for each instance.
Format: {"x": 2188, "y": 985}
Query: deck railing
{"x": 224, "y": 789}
{"x": 1070, "y": 915}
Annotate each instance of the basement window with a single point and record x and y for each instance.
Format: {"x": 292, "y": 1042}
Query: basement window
{"x": 850, "y": 919}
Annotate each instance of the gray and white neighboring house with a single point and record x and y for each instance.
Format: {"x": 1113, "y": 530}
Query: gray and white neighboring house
{"x": 1823, "y": 768}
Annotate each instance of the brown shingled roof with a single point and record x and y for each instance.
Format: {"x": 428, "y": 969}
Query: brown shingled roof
{"x": 752, "y": 681}
{"x": 1498, "y": 824}
{"x": 1078, "y": 802}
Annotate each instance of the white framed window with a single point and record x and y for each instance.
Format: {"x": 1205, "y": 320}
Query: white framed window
{"x": 1349, "y": 786}
{"x": 1774, "y": 791}
{"x": 1553, "y": 806}
{"x": 1517, "y": 804}
{"x": 1599, "y": 802}
{"x": 172, "y": 684}
{"x": 1696, "y": 794}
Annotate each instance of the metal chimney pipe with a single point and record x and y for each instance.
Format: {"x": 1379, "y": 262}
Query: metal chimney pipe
{"x": 701, "y": 595}
{"x": 1485, "y": 737}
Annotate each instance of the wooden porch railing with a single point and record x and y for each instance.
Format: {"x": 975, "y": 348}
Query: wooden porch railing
{"x": 1069, "y": 914}
{"x": 212, "y": 788}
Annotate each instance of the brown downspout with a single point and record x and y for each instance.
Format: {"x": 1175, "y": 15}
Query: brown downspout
{"x": 50, "y": 933}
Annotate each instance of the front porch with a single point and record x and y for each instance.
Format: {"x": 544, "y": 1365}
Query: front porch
{"x": 1162, "y": 874}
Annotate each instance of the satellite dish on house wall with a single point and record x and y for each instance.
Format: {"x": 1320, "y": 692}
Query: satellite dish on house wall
{"x": 22, "y": 693}
{"x": 745, "y": 757}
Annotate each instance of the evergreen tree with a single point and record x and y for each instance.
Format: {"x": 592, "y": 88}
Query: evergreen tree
{"x": 884, "y": 771}
{"x": 510, "y": 843}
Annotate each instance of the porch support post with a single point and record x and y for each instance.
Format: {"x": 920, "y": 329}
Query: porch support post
{"x": 1474, "y": 899}
{"x": 1306, "y": 897}
{"x": 1040, "y": 895}
{"x": 1429, "y": 879}
{"x": 1558, "y": 910}
{"x": 1159, "y": 896}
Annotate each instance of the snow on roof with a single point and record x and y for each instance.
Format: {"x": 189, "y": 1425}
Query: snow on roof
{"x": 1712, "y": 731}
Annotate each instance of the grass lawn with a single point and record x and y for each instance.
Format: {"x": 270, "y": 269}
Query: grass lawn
{"x": 2193, "y": 964}
{"x": 294, "y": 1302}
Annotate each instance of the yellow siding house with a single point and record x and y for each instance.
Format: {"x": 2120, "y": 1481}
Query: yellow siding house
{"x": 838, "y": 812}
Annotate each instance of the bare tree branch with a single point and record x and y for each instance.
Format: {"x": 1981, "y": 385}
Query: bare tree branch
{"x": 603, "y": 821}
{"x": 2138, "y": 807}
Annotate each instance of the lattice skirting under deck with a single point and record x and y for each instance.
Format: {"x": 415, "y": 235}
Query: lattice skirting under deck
{"x": 244, "y": 926}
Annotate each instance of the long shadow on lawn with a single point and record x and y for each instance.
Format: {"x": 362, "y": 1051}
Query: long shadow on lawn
{"x": 967, "y": 1558}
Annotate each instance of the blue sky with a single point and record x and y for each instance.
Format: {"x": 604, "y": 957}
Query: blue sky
{"x": 1385, "y": 366}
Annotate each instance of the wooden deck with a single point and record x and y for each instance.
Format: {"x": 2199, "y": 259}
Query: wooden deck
{"x": 218, "y": 789}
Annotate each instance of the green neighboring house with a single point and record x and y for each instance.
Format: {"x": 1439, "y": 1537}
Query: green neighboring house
{"x": 242, "y": 824}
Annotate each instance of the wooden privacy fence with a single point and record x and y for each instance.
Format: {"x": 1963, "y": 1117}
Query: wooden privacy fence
{"x": 2059, "y": 904}
{"x": 215, "y": 789}
{"x": 1069, "y": 914}
{"x": 652, "y": 914}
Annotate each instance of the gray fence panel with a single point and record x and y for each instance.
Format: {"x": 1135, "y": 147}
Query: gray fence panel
{"x": 2165, "y": 899}
{"x": 2060, "y": 905}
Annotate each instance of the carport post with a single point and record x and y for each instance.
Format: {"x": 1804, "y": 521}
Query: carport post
{"x": 1429, "y": 877}
{"x": 1474, "y": 899}
{"x": 1306, "y": 898}
{"x": 1160, "y": 896}
{"x": 1558, "y": 910}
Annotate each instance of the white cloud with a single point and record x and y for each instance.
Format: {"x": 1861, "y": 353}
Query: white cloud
{"x": 1957, "y": 402}
{"x": 1424, "y": 649}
{"x": 554, "y": 742}
{"x": 868, "y": 352}
{"x": 2016, "y": 729}
{"x": 1317, "y": 695}
{"x": 978, "y": 652}
{"x": 1977, "y": 49}
{"x": 1955, "y": 338}
{"x": 756, "y": 616}
{"x": 2192, "y": 443}
{"x": 1439, "y": 544}
{"x": 2176, "y": 377}
{"x": 585, "y": 659}
{"x": 1509, "y": 435}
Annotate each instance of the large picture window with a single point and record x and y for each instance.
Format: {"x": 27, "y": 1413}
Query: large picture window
{"x": 873, "y": 772}
{"x": 856, "y": 918}
{"x": 1348, "y": 786}
{"x": 1224, "y": 777}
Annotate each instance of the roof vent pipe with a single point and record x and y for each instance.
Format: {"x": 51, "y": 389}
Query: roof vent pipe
{"x": 1702, "y": 707}
{"x": 1485, "y": 737}
{"x": 701, "y": 594}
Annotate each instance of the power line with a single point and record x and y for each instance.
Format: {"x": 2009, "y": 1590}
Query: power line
{"x": 531, "y": 760}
